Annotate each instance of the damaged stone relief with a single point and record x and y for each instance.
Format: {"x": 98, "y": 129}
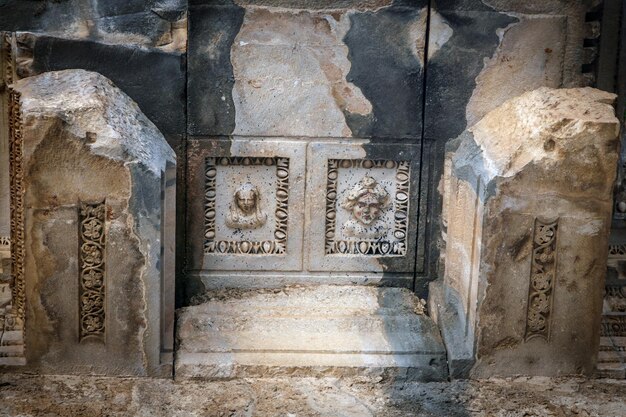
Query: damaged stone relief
{"x": 372, "y": 221}
{"x": 366, "y": 200}
{"x": 245, "y": 212}
{"x": 246, "y": 228}
{"x": 542, "y": 280}
{"x": 92, "y": 271}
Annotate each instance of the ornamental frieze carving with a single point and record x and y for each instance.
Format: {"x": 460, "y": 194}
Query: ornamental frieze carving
{"x": 14, "y": 317}
{"x": 377, "y": 223}
{"x": 248, "y": 227}
{"x": 542, "y": 280}
{"x": 92, "y": 273}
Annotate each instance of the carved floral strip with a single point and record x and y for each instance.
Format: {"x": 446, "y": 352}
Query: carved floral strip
{"x": 7, "y": 45}
{"x": 14, "y": 319}
{"x": 278, "y": 245}
{"x": 542, "y": 280}
{"x": 92, "y": 272}
{"x": 372, "y": 239}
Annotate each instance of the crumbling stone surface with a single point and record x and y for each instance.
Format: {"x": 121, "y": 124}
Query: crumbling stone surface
{"x": 351, "y": 397}
{"x": 323, "y": 330}
{"x": 95, "y": 172}
{"x": 528, "y": 208}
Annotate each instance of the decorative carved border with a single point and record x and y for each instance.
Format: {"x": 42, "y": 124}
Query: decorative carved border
{"x": 5, "y": 241}
{"x": 542, "y": 280}
{"x": 617, "y": 250}
{"x": 92, "y": 272}
{"x": 369, "y": 247}
{"x": 7, "y": 45}
{"x": 613, "y": 325}
{"x": 278, "y": 246}
{"x": 16, "y": 168}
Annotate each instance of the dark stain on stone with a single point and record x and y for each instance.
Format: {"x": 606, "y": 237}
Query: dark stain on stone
{"x": 154, "y": 79}
{"x": 392, "y": 265}
{"x": 452, "y": 71}
{"x": 506, "y": 343}
{"x": 518, "y": 247}
{"x": 150, "y": 19}
{"x": 20, "y": 15}
{"x": 590, "y": 269}
{"x": 212, "y": 31}
{"x": 386, "y": 69}
{"x": 469, "y": 5}
{"x": 468, "y": 165}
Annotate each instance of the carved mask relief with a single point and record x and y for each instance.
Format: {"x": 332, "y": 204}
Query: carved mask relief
{"x": 367, "y": 207}
{"x": 245, "y": 211}
{"x": 366, "y": 201}
{"x": 236, "y": 189}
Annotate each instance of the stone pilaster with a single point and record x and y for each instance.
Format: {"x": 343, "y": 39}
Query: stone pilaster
{"x": 528, "y": 209}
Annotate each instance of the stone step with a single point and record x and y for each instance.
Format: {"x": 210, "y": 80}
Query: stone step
{"x": 323, "y": 298}
{"x": 310, "y": 331}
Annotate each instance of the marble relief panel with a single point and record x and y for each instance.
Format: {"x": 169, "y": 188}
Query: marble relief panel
{"x": 247, "y": 205}
{"x": 366, "y": 207}
{"x": 246, "y": 202}
{"x": 362, "y": 207}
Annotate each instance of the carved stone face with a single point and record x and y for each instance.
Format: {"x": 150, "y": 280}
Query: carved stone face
{"x": 367, "y": 209}
{"x": 246, "y": 201}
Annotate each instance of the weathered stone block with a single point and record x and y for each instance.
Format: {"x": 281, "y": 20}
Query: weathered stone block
{"x": 528, "y": 208}
{"x": 98, "y": 193}
{"x": 310, "y": 331}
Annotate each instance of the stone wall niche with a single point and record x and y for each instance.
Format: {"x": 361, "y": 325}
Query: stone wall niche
{"x": 528, "y": 199}
{"x": 98, "y": 192}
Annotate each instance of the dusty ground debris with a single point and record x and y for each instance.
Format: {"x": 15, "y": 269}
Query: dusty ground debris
{"x": 28, "y": 395}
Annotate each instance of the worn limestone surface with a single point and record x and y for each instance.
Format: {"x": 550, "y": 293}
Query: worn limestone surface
{"x": 309, "y": 331}
{"x": 86, "y": 142}
{"x": 528, "y": 213}
{"x": 307, "y": 51}
{"x": 530, "y": 55}
{"x": 159, "y": 24}
{"x": 154, "y": 79}
{"x": 329, "y": 70}
{"x": 351, "y": 397}
{"x": 514, "y": 46}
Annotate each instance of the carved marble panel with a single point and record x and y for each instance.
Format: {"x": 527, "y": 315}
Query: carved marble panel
{"x": 250, "y": 216}
{"x": 246, "y": 202}
{"x": 362, "y": 207}
{"x": 12, "y": 249}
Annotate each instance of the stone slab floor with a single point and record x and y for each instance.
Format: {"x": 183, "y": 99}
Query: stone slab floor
{"x": 27, "y": 395}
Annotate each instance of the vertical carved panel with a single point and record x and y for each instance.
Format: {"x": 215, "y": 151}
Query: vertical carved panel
{"x": 7, "y": 46}
{"x": 15, "y": 319}
{"x": 542, "y": 280}
{"x": 92, "y": 275}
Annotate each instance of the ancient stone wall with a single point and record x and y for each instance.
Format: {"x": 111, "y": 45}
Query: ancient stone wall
{"x": 335, "y": 70}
